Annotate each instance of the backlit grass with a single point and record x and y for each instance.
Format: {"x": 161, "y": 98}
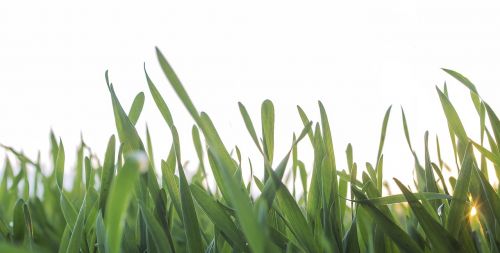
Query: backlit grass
{"x": 125, "y": 204}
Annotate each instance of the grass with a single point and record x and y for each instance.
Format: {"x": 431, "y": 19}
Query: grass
{"x": 123, "y": 205}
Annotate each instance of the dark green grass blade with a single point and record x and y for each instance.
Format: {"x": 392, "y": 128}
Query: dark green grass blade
{"x": 189, "y": 217}
{"x": 440, "y": 239}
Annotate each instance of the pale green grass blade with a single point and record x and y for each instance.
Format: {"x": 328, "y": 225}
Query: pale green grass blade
{"x": 305, "y": 121}
{"x": 383, "y": 133}
{"x": 267, "y": 119}
{"x": 177, "y": 85}
{"x": 465, "y": 81}
{"x": 107, "y": 173}
{"x": 126, "y": 131}
{"x": 59, "y": 166}
{"x": 159, "y": 101}
{"x": 136, "y": 108}
{"x": 249, "y": 125}
{"x": 454, "y": 123}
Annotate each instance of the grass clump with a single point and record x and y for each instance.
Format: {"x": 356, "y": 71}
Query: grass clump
{"x": 123, "y": 205}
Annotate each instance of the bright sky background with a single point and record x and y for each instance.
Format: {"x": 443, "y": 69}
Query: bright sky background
{"x": 356, "y": 57}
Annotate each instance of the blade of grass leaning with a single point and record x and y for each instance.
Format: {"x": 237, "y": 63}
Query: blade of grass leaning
{"x": 238, "y": 197}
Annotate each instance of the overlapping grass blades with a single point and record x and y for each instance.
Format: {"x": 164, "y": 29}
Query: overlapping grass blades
{"x": 122, "y": 205}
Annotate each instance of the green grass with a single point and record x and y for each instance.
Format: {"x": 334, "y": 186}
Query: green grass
{"x": 124, "y": 205}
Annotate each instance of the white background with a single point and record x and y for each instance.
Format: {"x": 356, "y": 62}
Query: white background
{"x": 356, "y": 57}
